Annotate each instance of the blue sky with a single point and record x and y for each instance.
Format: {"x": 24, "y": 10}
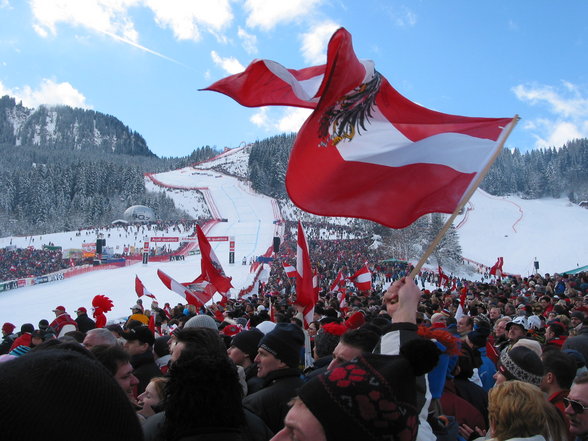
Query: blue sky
{"x": 143, "y": 61}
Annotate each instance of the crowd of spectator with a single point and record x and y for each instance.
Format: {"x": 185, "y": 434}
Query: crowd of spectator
{"x": 19, "y": 263}
{"x": 501, "y": 359}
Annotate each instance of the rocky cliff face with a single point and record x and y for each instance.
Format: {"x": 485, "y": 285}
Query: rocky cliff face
{"x": 64, "y": 127}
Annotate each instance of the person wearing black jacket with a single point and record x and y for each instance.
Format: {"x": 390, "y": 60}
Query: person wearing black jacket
{"x": 278, "y": 358}
{"x": 139, "y": 344}
{"x": 84, "y": 322}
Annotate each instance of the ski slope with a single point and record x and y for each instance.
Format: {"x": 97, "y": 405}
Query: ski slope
{"x": 550, "y": 231}
{"x": 249, "y": 219}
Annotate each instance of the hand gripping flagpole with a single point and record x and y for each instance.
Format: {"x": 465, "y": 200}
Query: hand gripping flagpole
{"x": 464, "y": 200}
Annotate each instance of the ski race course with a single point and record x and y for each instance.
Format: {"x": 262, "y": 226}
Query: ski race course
{"x": 553, "y": 231}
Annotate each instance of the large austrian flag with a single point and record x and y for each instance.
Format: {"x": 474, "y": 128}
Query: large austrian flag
{"x": 366, "y": 151}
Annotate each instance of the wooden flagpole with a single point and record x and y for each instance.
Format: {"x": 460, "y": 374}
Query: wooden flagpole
{"x": 464, "y": 201}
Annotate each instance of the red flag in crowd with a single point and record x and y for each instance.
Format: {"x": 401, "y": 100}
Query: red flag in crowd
{"x": 362, "y": 278}
{"x": 290, "y": 270}
{"x": 496, "y": 270}
{"x": 305, "y": 292}
{"x": 443, "y": 278}
{"x": 366, "y": 151}
{"x": 192, "y": 296}
{"x": 212, "y": 271}
{"x": 141, "y": 290}
{"x": 338, "y": 282}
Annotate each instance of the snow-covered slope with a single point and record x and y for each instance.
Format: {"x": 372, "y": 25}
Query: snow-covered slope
{"x": 551, "y": 231}
{"x": 248, "y": 218}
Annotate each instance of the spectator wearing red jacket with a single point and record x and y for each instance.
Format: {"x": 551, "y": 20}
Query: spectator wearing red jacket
{"x": 62, "y": 319}
{"x": 24, "y": 339}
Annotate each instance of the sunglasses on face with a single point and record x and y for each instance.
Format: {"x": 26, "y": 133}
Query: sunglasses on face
{"x": 577, "y": 407}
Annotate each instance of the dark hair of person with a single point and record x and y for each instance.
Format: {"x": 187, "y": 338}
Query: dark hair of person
{"x": 562, "y": 366}
{"x": 67, "y": 346}
{"x": 202, "y": 395}
{"x": 362, "y": 338}
{"x": 111, "y": 357}
{"x": 201, "y": 342}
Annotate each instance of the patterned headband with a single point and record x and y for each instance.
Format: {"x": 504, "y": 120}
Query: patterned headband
{"x": 517, "y": 372}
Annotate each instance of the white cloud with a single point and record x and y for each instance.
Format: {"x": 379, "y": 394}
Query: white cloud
{"x": 49, "y": 92}
{"x": 4, "y": 4}
{"x": 569, "y": 107}
{"x": 229, "y": 64}
{"x": 284, "y": 121}
{"x": 106, "y": 16}
{"x": 266, "y": 14}
{"x": 292, "y": 119}
{"x": 248, "y": 41}
{"x": 185, "y": 17}
{"x": 314, "y": 43}
{"x": 401, "y": 16}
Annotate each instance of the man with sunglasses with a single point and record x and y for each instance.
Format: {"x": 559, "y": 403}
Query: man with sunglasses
{"x": 577, "y": 407}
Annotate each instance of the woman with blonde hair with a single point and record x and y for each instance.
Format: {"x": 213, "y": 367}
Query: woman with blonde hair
{"x": 518, "y": 411}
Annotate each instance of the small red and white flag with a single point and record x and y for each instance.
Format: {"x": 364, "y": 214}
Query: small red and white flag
{"x": 141, "y": 290}
{"x": 290, "y": 270}
{"x": 212, "y": 270}
{"x": 496, "y": 270}
{"x": 362, "y": 278}
{"x": 338, "y": 282}
{"x": 305, "y": 289}
{"x": 366, "y": 151}
{"x": 443, "y": 278}
{"x": 195, "y": 298}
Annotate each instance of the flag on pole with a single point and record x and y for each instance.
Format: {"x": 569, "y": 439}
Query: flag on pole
{"x": 443, "y": 278}
{"x": 290, "y": 270}
{"x": 362, "y": 278}
{"x": 461, "y": 307}
{"x": 212, "y": 270}
{"x": 496, "y": 270}
{"x": 339, "y": 280}
{"x": 305, "y": 290}
{"x": 141, "y": 290}
{"x": 193, "y": 297}
{"x": 366, "y": 151}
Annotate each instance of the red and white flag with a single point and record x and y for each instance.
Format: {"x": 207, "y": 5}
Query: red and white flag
{"x": 366, "y": 151}
{"x": 338, "y": 282}
{"x": 496, "y": 270}
{"x": 212, "y": 271}
{"x": 305, "y": 290}
{"x": 443, "y": 278}
{"x": 290, "y": 270}
{"x": 193, "y": 297}
{"x": 141, "y": 290}
{"x": 362, "y": 278}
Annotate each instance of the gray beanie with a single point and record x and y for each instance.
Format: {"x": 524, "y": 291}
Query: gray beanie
{"x": 202, "y": 321}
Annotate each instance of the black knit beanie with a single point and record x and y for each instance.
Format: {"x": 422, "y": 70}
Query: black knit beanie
{"x": 248, "y": 341}
{"x": 372, "y": 397}
{"x": 284, "y": 343}
{"x": 64, "y": 395}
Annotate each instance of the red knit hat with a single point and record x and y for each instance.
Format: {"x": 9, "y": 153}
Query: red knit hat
{"x": 8, "y": 327}
{"x": 356, "y": 320}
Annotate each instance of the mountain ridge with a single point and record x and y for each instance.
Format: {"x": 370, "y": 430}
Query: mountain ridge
{"x": 67, "y": 128}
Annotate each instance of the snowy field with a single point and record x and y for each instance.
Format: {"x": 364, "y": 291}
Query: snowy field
{"x": 553, "y": 231}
